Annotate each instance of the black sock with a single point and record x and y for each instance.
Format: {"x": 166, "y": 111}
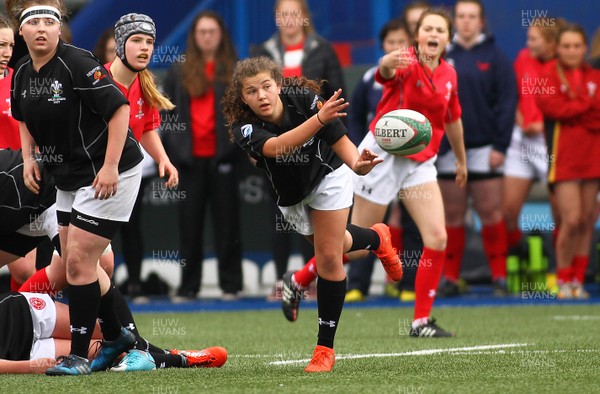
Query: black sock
{"x": 56, "y": 243}
{"x": 363, "y": 238}
{"x": 107, "y": 316}
{"x": 127, "y": 321}
{"x": 84, "y": 302}
{"x": 330, "y": 301}
{"x": 163, "y": 360}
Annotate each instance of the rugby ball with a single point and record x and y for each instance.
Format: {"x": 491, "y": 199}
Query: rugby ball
{"x": 403, "y": 132}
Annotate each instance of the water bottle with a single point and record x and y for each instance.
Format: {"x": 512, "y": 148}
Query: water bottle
{"x": 513, "y": 276}
{"x": 537, "y": 273}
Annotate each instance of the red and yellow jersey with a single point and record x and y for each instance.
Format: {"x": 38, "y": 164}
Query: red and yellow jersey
{"x": 9, "y": 126}
{"x": 142, "y": 117}
{"x": 573, "y": 123}
{"x": 434, "y": 94}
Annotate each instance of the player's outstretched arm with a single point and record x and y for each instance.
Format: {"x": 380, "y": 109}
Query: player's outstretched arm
{"x": 362, "y": 163}
{"x": 296, "y": 137}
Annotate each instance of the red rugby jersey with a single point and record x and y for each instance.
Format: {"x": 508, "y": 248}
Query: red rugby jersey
{"x": 9, "y": 126}
{"x": 530, "y": 83}
{"x": 142, "y": 117}
{"x": 435, "y": 95}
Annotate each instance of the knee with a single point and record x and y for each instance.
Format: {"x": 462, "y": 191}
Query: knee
{"x": 511, "y": 214}
{"x": 490, "y": 214}
{"x": 572, "y": 223}
{"x": 329, "y": 258}
{"x": 454, "y": 215}
{"x": 76, "y": 266}
{"x": 436, "y": 239}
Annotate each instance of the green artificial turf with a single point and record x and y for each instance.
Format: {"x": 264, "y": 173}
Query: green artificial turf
{"x": 544, "y": 349}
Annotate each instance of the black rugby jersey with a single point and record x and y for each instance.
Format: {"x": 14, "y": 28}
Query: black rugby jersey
{"x": 294, "y": 174}
{"x": 18, "y": 205}
{"x": 16, "y": 327}
{"x": 67, "y": 106}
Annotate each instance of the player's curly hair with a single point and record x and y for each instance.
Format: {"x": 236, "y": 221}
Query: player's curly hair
{"x": 15, "y": 8}
{"x": 235, "y": 109}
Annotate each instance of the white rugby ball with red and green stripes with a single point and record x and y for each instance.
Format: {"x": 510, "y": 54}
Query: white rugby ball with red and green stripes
{"x": 403, "y": 132}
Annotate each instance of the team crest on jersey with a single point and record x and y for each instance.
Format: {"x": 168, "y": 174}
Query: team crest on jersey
{"x": 57, "y": 92}
{"x": 96, "y": 74}
{"x": 316, "y": 103}
{"x": 246, "y": 130}
{"x": 140, "y": 113}
{"x": 7, "y": 111}
{"x": 37, "y": 303}
{"x": 448, "y": 90}
{"x": 592, "y": 88}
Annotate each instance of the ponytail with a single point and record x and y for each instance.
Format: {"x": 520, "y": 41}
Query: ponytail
{"x": 151, "y": 93}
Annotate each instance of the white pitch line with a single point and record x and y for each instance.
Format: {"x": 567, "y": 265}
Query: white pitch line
{"x": 425, "y": 352}
{"x": 576, "y": 317}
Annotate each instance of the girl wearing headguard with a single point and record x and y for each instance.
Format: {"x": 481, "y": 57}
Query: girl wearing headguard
{"x": 75, "y": 119}
{"x": 135, "y": 35}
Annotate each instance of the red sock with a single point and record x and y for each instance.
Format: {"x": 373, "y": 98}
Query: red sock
{"x": 396, "y": 233}
{"x": 14, "y": 285}
{"x": 427, "y": 281}
{"x": 454, "y": 252}
{"x": 495, "y": 244}
{"x": 308, "y": 273}
{"x": 514, "y": 237}
{"x": 580, "y": 264}
{"x": 38, "y": 283}
{"x": 564, "y": 275}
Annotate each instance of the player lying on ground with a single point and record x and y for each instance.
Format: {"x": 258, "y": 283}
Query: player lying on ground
{"x": 34, "y": 330}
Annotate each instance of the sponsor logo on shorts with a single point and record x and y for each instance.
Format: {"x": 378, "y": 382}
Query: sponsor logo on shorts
{"x": 37, "y": 303}
{"x": 90, "y": 221}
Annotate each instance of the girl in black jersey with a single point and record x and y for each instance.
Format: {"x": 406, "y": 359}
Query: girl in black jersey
{"x": 299, "y": 140}
{"x": 74, "y": 116}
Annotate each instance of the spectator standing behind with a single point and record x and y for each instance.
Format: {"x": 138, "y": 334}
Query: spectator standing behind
{"x": 488, "y": 99}
{"x": 367, "y": 94}
{"x": 206, "y": 158}
{"x": 595, "y": 50}
{"x": 299, "y": 51}
{"x": 412, "y": 13}
{"x": 572, "y": 113}
{"x": 526, "y": 157}
{"x": 9, "y": 127}
{"x": 105, "y": 46}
